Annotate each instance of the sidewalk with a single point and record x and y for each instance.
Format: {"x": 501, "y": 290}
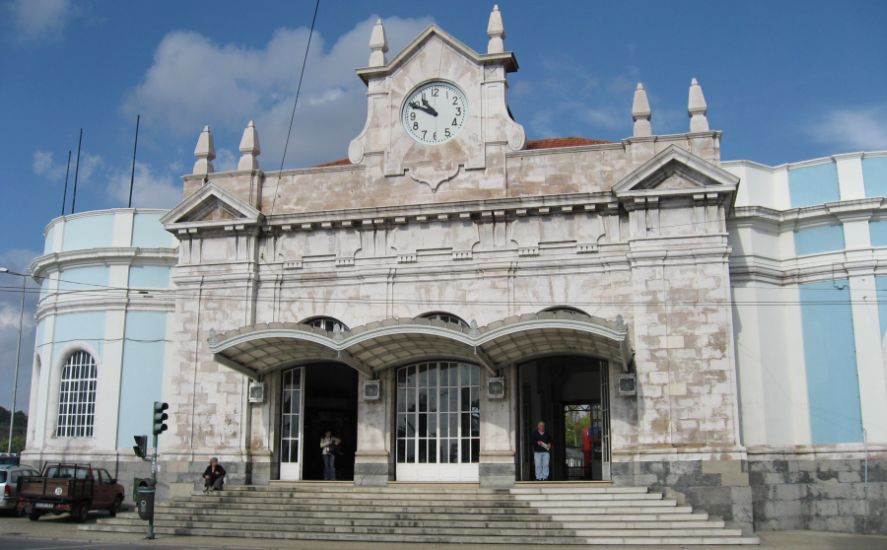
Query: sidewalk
{"x": 61, "y": 528}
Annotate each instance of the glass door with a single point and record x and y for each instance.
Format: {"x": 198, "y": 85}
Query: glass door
{"x": 605, "y": 421}
{"x": 438, "y": 422}
{"x": 291, "y": 414}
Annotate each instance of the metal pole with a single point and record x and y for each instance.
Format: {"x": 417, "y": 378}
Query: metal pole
{"x": 132, "y": 176}
{"x": 67, "y": 171}
{"x": 154, "y": 485}
{"x": 18, "y": 349}
{"x": 77, "y": 172}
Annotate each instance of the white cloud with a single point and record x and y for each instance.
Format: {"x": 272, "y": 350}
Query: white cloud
{"x": 44, "y": 165}
{"x": 570, "y": 100}
{"x": 851, "y": 129}
{"x": 9, "y": 317}
{"x": 18, "y": 260}
{"x": 194, "y": 81}
{"x": 40, "y": 19}
{"x": 150, "y": 188}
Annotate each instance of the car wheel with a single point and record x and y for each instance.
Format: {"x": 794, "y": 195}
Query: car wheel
{"x": 81, "y": 513}
{"x": 115, "y": 506}
{"x": 33, "y": 515}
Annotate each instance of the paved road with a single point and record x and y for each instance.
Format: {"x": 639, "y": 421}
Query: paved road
{"x": 51, "y": 533}
{"x": 25, "y": 543}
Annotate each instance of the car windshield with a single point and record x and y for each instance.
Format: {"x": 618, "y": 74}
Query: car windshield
{"x": 67, "y": 472}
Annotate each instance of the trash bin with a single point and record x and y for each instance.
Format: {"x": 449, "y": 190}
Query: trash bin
{"x": 145, "y": 499}
{"x": 136, "y": 483}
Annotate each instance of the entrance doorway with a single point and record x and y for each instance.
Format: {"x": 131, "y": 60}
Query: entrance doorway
{"x": 314, "y": 399}
{"x": 570, "y": 394}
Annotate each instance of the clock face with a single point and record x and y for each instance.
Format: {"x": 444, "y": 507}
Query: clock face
{"x": 434, "y": 113}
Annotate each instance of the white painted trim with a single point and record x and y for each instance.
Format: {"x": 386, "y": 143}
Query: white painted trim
{"x": 871, "y": 372}
{"x": 467, "y": 473}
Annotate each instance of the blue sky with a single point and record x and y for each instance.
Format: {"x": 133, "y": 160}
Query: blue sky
{"x": 784, "y": 80}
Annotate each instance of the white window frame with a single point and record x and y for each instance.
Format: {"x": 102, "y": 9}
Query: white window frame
{"x": 78, "y": 383}
{"x": 439, "y": 422}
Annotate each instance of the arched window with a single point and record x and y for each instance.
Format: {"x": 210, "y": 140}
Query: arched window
{"x": 328, "y": 324}
{"x": 77, "y": 396}
{"x": 564, "y": 309}
{"x": 446, "y": 317}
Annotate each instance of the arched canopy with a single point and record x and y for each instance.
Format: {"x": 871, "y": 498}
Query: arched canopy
{"x": 259, "y": 349}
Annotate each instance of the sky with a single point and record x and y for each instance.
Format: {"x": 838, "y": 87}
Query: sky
{"x": 784, "y": 80}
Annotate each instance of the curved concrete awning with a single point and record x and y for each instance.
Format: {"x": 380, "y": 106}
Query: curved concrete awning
{"x": 259, "y": 349}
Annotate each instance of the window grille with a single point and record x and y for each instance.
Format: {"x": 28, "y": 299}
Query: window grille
{"x": 438, "y": 413}
{"x": 76, "y": 415}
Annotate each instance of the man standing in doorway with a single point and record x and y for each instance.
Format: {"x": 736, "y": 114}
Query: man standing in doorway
{"x": 541, "y": 441}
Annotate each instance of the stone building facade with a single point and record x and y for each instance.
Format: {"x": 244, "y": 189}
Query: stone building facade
{"x": 452, "y": 282}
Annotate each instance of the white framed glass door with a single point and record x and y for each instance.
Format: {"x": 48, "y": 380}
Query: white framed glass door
{"x": 438, "y": 422}
{"x": 292, "y": 408}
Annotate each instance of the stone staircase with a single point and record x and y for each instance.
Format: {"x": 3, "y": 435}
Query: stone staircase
{"x": 527, "y": 514}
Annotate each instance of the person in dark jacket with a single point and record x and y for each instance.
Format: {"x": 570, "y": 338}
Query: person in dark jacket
{"x": 541, "y": 443}
{"x": 213, "y": 476}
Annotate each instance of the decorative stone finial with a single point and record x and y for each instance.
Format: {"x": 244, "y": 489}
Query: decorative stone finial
{"x": 249, "y": 148}
{"x": 496, "y": 31}
{"x": 205, "y": 152}
{"x": 378, "y": 45}
{"x": 640, "y": 113}
{"x": 697, "y": 108}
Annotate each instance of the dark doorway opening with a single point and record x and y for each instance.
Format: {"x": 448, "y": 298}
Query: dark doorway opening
{"x": 330, "y": 404}
{"x": 571, "y": 395}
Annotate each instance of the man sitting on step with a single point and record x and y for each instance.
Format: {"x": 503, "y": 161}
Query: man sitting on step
{"x": 213, "y": 476}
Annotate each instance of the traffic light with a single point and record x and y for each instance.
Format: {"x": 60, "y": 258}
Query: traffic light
{"x": 160, "y": 417}
{"x": 141, "y": 446}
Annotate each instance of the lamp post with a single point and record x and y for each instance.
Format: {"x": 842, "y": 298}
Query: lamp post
{"x": 18, "y": 350}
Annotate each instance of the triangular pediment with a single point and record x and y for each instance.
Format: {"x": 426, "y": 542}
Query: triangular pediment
{"x": 676, "y": 171}
{"x": 210, "y": 206}
{"x": 433, "y": 32}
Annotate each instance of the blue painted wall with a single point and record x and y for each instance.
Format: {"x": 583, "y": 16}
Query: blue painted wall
{"x": 878, "y": 232}
{"x": 823, "y": 238}
{"x": 147, "y": 232}
{"x": 830, "y": 359}
{"x": 88, "y": 232}
{"x": 142, "y": 378}
{"x": 84, "y": 278}
{"x": 88, "y": 328}
{"x": 813, "y": 185}
{"x": 148, "y": 276}
{"x": 874, "y": 174}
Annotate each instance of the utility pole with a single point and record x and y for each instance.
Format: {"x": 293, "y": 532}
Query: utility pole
{"x": 18, "y": 349}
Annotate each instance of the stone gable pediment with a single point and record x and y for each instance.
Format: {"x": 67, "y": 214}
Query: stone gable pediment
{"x": 432, "y": 33}
{"x": 210, "y": 206}
{"x": 676, "y": 171}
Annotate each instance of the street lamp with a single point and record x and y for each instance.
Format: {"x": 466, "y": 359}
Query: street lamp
{"x": 18, "y": 352}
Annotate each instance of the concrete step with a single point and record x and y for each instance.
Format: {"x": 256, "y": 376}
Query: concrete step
{"x": 479, "y": 531}
{"x": 545, "y": 514}
{"x": 482, "y": 497}
{"x": 554, "y": 489}
{"x": 647, "y": 503}
{"x": 605, "y": 541}
{"x": 685, "y": 527}
{"x": 429, "y": 508}
{"x": 216, "y": 499}
{"x": 580, "y": 517}
{"x": 608, "y": 497}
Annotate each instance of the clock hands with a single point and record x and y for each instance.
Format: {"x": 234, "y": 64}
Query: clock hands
{"x": 428, "y": 108}
{"x": 425, "y": 107}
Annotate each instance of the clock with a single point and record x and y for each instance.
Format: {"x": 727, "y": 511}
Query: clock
{"x": 434, "y": 112}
